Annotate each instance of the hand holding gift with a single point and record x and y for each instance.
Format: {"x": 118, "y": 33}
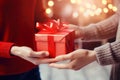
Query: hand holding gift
{"x": 78, "y": 30}
{"x": 78, "y": 58}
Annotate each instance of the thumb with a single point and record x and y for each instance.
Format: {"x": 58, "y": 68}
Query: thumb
{"x": 40, "y": 54}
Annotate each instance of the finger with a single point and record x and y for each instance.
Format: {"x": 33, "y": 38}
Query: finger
{"x": 60, "y": 66}
{"x": 63, "y": 57}
{"x": 58, "y": 21}
{"x": 38, "y": 61}
{"x": 46, "y": 60}
{"x": 71, "y": 65}
{"x": 69, "y": 26}
{"x": 40, "y": 54}
{"x": 65, "y": 26}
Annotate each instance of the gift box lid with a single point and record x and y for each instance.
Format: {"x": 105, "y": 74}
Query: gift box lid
{"x": 59, "y": 36}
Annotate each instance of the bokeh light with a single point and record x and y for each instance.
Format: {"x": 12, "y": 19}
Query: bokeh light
{"x": 80, "y": 9}
{"x": 50, "y": 3}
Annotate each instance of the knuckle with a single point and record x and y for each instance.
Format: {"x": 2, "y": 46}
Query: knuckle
{"x": 72, "y": 67}
{"x": 30, "y": 53}
{"x": 63, "y": 58}
{"x": 72, "y": 56}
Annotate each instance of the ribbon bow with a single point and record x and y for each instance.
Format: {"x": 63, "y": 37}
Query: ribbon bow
{"x": 51, "y": 27}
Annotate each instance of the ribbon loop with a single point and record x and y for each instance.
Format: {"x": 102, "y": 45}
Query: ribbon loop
{"x": 51, "y": 27}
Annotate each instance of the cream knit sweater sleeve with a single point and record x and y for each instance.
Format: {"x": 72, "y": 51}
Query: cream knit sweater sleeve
{"x": 102, "y": 30}
{"x": 110, "y": 52}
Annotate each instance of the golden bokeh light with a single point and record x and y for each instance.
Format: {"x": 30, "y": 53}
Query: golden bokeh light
{"x": 48, "y": 10}
{"x": 50, "y": 3}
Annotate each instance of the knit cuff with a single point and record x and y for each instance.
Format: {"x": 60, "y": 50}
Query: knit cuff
{"x": 116, "y": 51}
{"x": 5, "y": 50}
{"x": 104, "y": 55}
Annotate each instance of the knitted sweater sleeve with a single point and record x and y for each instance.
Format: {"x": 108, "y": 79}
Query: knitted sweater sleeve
{"x": 110, "y": 52}
{"x": 5, "y": 48}
{"x": 102, "y": 30}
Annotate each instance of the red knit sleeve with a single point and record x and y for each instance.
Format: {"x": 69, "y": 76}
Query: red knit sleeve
{"x": 5, "y": 49}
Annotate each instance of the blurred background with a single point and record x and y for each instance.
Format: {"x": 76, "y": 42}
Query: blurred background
{"x": 82, "y": 13}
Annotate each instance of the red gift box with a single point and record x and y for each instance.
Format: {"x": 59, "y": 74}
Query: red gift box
{"x": 59, "y": 43}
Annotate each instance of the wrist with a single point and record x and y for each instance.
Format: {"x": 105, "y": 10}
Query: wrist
{"x": 79, "y": 33}
{"x": 92, "y": 55}
{"x": 14, "y": 50}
